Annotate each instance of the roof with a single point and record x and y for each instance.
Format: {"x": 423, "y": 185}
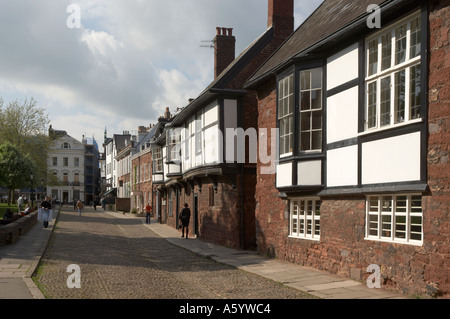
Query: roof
{"x": 147, "y": 138}
{"x": 330, "y": 18}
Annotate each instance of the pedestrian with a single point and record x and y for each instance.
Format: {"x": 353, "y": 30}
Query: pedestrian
{"x": 20, "y": 202}
{"x": 8, "y": 214}
{"x": 79, "y": 207}
{"x": 104, "y": 203}
{"x": 95, "y": 204}
{"x": 74, "y": 204}
{"x": 148, "y": 212}
{"x": 185, "y": 217}
{"x": 45, "y": 211}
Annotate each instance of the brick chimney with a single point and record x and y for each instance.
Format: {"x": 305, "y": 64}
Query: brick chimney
{"x": 224, "y": 50}
{"x": 281, "y": 16}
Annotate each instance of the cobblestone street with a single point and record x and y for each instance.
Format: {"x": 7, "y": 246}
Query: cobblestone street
{"x": 120, "y": 258}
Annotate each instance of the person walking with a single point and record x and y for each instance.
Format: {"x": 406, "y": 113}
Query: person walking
{"x": 46, "y": 211}
{"x": 185, "y": 217}
{"x": 148, "y": 213}
{"x": 20, "y": 202}
{"x": 79, "y": 207}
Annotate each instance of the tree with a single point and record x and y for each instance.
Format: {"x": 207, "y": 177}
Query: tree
{"x": 24, "y": 126}
{"x": 15, "y": 169}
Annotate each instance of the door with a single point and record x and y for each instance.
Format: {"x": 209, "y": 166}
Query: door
{"x": 195, "y": 209}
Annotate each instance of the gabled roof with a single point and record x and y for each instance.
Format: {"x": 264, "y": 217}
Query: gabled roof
{"x": 327, "y": 24}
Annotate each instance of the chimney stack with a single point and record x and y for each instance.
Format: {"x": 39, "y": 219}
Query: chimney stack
{"x": 224, "y": 49}
{"x": 281, "y": 17}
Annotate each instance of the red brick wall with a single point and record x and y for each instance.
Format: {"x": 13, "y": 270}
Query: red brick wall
{"x": 436, "y": 206}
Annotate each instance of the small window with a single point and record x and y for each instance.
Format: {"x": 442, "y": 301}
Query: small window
{"x": 394, "y": 218}
{"x": 305, "y": 218}
{"x": 65, "y": 145}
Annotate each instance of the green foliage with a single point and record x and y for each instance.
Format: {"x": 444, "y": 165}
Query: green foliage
{"x": 15, "y": 168}
{"x": 23, "y": 125}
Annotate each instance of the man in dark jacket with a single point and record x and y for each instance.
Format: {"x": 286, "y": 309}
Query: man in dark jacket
{"x": 185, "y": 217}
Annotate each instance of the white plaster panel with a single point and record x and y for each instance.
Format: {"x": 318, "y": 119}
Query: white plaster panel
{"x": 284, "y": 175}
{"x": 342, "y": 115}
{"x": 309, "y": 173}
{"x": 342, "y": 166}
{"x": 395, "y": 159}
{"x": 343, "y": 67}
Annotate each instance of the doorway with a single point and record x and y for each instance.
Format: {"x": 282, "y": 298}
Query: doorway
{"x": 195, "y": 211}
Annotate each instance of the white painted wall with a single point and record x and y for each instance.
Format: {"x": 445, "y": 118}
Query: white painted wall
{"x": 342, "y": 115}
{"x": 395, "y": 159}
{"x": 309, "y": 173}
{"x": 343, "y": 67}
{"x": 342, "y": 166}
{"x": 284, "y": 175}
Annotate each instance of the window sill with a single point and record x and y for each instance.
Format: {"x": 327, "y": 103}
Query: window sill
{"x": 391, "y": 127}
{"x": 390, "y": 241}
{"x": 307, "y": 238}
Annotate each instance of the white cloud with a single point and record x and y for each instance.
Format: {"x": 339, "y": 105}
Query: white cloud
{"x": 126, "y": 64}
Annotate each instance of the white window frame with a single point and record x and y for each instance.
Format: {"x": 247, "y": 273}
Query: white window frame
{"x": 310, "y": 110}
{"x": 297, "y": 218}
{"x": 389, "y": 75}
{"x": 285, "y": 116}
{"x": 157, "y": 159}
{"x": 388, "y": 206}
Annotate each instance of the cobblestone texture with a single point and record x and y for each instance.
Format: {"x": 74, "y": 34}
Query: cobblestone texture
{"x": 123, "y": 259}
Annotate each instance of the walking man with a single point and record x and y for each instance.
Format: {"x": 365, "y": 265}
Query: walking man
{"x": 80, "y": 207}
{"x": 185, "y": 217}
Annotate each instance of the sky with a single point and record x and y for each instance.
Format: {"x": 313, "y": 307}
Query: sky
{"x": 117, "y": 64}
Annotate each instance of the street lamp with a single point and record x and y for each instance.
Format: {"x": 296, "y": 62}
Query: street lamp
{"x": 31, "y": 177}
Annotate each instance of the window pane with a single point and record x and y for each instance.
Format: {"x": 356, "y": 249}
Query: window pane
{"x": 400, "y": 88}
{"x": 386, "y": 53}
{"x": 372, "y": 105}
{"x": 400, "y": 49}
{"x": 317, "y": 227}
{"x": 373, "y": 57}
{"x": 305, "y": 78}
{"x": 385, "y": 115}
{"x": 400, "y": 227}
{"x": 302, "y": 208}
{"x": 305, "y": 140}
{"x": 316, "y": 99}
{"x": 401, "y": 204}
{"x": 373, "y": 225}
{"x": 415, "y": 96}
{"x": 316, "y": 79}
{"x": 317, "y": 212}
{"x": 317, "y": 140}
{"x": 416, "y": 204}
{"x": 415, "y": 38}
{"x": 305, "y": 101}
{"x": 305, "y": 121}
{"x": 386, "y": 224}
{"x": 308, "y": 227}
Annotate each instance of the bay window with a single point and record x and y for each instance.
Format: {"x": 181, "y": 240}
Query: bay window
{"x": 286, "y": 114}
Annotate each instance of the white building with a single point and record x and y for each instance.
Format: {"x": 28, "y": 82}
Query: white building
{"x": 66, "y": 162}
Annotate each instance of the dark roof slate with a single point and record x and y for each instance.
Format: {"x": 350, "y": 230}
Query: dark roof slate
{"x": 330, "y": 17}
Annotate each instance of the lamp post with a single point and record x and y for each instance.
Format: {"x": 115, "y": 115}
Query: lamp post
{"x": 31, "y": 177}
